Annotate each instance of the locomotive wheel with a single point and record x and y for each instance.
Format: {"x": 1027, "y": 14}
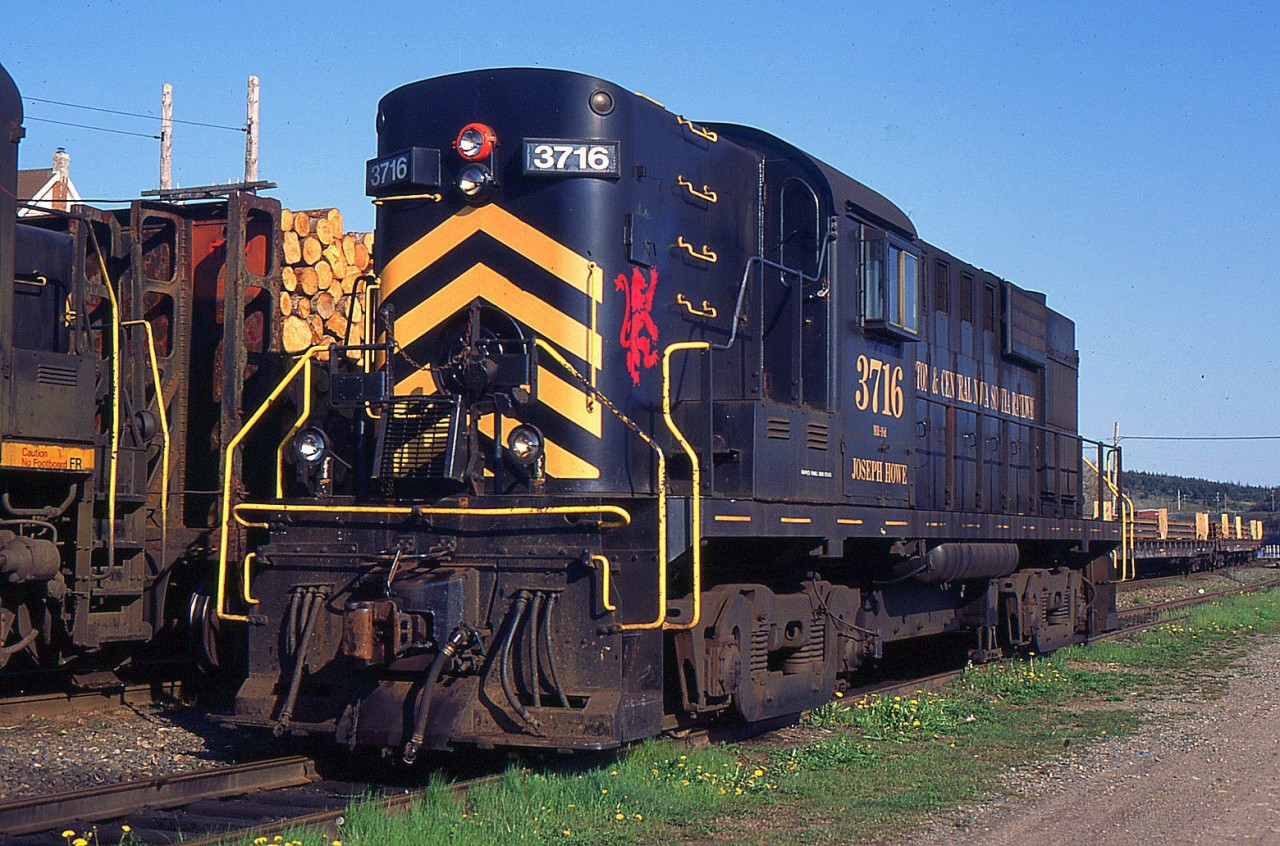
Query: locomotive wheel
{"x": 203, "y": 630}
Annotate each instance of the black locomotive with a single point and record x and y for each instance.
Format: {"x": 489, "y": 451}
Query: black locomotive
{"x": 668, "y": 422}
{"x": 663, "y": 423}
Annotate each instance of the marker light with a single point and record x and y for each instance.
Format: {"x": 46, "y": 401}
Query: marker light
{"x": 475, "y": 181}
{"x": 475, "y": 141}
{"x": 525, "y": 444}
{"x": 601, "y": 103}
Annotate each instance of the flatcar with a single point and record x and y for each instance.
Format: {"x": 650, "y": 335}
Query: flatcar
{"x": 1166, "y": 543}
{"x": 665, "y": 422}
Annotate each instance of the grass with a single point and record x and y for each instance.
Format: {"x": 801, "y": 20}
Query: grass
{"x": 876, "y": 764}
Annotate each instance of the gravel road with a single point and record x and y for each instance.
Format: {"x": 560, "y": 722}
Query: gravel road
{"x": 1197, "y": 773}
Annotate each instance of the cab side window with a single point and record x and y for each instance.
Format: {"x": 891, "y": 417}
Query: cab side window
{"x": 890, "y": 286}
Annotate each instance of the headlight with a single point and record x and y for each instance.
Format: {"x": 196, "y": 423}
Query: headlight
{"x": 475, "y": 181}
{"x": 525, "y": 444}
{"x": 475, "y": 141}
{"x": 310, "y": 445}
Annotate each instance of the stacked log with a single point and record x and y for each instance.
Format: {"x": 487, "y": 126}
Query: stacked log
{"x": 323, "y": 277}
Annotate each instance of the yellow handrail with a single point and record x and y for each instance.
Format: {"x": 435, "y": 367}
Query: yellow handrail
{"x": 602, "y": 562}
{"x": 624, "y": 519}
{"x": 695, "y": 511}
{"x": 624, "y": 516}
{"x": 370, "y": 324}
{"x": 370, "y": 337}
{"x": 164, "y": 431}
{"x": 661, "y": 619}
{"x": 228, "y": 465}
{"x": 303, "y": 414}
{"x": 114, "y": 470}
{"x": 1126, "y": 524}
{"x": 244, "y": 587}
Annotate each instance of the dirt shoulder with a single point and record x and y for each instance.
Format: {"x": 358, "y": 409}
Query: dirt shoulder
{"x": 1199, "y": 772}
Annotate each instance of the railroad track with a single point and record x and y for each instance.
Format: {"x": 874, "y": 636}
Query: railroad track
{"x": 1134, "y": 586}
{"x": 202, "y": 808}
{"x": 169, "y": 809}
{"x": 1142, "y": 616}
{"x": 55, "y": 703}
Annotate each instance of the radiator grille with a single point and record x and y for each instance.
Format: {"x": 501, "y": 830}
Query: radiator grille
{"x": 777, "y": 427}
{"x": 52, "y": 374}
{"x": 418, "y": 440}
{"x": 817, "y": 435}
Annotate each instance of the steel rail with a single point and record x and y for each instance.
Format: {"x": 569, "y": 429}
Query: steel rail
{"x": 62, "y": 702}
{"x": 332, "y": 821}
{"x": 54, "y": 812}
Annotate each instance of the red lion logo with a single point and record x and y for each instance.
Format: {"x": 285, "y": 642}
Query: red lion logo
{"x": 639, "y": 335}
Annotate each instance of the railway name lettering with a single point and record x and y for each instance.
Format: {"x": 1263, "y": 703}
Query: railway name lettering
{"x": 973, "y": 391}
{"x": 875, "y": 470}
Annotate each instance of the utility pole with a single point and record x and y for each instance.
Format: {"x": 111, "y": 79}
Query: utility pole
{"x": 166, "y": 137}
{"x": 251, "y": 134}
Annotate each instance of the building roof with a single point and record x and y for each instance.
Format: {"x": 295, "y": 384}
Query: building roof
{"x": 50, "y": 188}
{"x": 31, "y": 181}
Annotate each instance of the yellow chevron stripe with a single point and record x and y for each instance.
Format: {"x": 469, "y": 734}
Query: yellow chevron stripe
{"x": 555, "y": 393}
{"x": 485, "y": 282}
{"x": 420, "y": 382}
{"x": 546, "y": 252}
{"x": 561, "y": 464}
{"x": 568, "y": 401}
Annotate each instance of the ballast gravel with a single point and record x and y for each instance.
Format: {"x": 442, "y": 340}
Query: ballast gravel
{"x": 51, "y": 754}
{"x": 1137, "y": 594}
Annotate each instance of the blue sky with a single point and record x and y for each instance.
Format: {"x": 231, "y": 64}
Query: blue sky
{"x": 1120, "y": 157}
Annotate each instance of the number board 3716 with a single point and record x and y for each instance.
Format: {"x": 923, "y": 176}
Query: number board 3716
{"x": 571, "y": 157}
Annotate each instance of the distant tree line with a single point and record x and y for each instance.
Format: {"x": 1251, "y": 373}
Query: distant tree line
{"x": 1161, "y": 490}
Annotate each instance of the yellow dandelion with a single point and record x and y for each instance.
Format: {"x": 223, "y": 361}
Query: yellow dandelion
{"x": 68, "y": 833}
{"x": 683, "y": 757}
{"x": 79, "y": 841}
{"x": 839, "y": 695}
{"x": 684, "y": 782}
{"x": 566, "y": 832}
{"x": 639, "y": 816}
{"x": 336, "y": 843}
{"x": 604, "y": 791}
{"x": 758, "y": 772}
{"x": 619, "y": 816}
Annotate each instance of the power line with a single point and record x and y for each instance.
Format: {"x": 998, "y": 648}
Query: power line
{"x": 1200, "y": 437}
{"x": 95, "y": 128}
{"x": 135, "y": 114}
